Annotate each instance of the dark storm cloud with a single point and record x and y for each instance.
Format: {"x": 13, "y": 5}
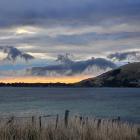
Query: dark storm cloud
{"x": 134, "y": 55}
{"x": 14, "y": 53}
{"x": 69, "y": 16}
{"x": 29, "y": 12}
{"x": 68, "y": 67}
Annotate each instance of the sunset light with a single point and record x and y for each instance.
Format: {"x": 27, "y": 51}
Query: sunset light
{"x": 36, "y": 79}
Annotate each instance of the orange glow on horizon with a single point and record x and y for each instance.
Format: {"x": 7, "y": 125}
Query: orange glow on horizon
{"x": 67, "y": 79}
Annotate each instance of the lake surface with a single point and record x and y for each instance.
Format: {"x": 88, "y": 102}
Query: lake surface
{"x": 98, "y": 102}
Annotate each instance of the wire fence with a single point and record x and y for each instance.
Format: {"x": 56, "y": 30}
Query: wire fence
{"x": 53, "y": 119}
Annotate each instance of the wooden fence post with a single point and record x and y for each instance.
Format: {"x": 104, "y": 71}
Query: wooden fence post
{"x": 119, "y": 118}
{"x": 40, "y": 123}
{"x": 86, "y": 120}
{"x": 66, "y": 117}
{"x": 57, "y": 119}
{"x": 81, "y": 118}
{"x": 138, "y": 131}
{"x": 98, "y": 123}
{"x": 33, "y": 119}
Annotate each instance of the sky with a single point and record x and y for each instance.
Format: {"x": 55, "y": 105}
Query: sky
{"x": 66, "y": 40}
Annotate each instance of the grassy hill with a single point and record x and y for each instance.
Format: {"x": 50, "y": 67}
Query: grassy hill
{"x": 124, "y": 76}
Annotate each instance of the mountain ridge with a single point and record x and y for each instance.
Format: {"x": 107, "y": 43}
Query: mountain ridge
{"x": 124, "y": 76}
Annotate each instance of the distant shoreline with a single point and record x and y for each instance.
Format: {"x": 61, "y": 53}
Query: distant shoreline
{"x": 58, "y": 85}
{"x": 36, "y": 85}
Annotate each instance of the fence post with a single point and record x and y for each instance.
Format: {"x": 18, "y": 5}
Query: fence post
{"x": 138, "y": 131}
{"x": 57, "y": 119}
{"x": 40, "y": 123}
{"x": 98, "y": 123}
{"x": 119, "y": 118}
{"x": 33, "y": 119}
{"x": 81, "y": 118}
{"x": 86, "y": 120}
{"x": 66, "y": 117}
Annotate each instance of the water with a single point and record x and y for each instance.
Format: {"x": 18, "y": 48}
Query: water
{"x": 98, "y": 102}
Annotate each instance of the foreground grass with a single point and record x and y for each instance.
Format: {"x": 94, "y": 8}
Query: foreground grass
{"x": 76, "y": 130}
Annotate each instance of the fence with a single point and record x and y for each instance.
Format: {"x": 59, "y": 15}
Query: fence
{"x": 43, "y": 120}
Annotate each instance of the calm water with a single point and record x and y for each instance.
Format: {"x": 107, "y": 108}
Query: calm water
{"x": 99, "y": 102}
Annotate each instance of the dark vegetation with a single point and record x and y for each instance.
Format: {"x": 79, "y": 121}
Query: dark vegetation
{"x": 35, "y": 85}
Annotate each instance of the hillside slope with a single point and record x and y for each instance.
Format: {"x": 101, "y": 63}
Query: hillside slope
{"x": 124, "y": 76}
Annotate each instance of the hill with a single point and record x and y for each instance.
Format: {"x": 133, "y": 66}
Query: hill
{"x": 124, "y": 76}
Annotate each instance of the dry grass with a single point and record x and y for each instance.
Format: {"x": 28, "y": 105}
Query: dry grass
{"x": 76, "y": 130}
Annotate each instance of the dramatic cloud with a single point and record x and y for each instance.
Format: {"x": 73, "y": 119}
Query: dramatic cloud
{"x": 14, "y": 53}
{"x": 65, "y": 59}
{"x": 85, "y": 28}
{"x": 129, "y": 56}
{"x": 68, "y": 67}
{"x": 29, "y": 12}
